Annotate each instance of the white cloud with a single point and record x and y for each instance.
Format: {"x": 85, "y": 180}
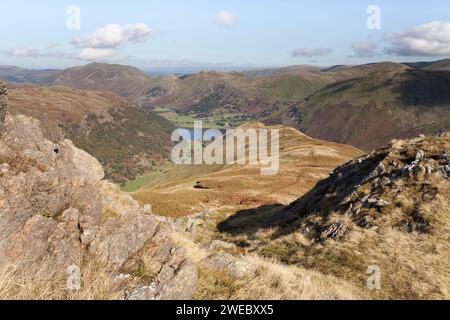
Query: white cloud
{"x": 364, "y": 49}
{"x": 311, "y": 52}
{"x": 28, "y": 52}
{"x": 92, "y": 54}
{"x": 89, "y": 54}
{"x": 86, "y": 54}
{"x": 226, "y": 18}
{"x": 431, "y": 39}
{"x": 22, "y": 52}
{"x": 113, "y": 36}
{"x": 53, "y": 46}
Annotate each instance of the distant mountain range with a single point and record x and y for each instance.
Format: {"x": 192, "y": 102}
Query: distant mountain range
{"x": 20, "y": 75}
{"x": 363, "y": 105}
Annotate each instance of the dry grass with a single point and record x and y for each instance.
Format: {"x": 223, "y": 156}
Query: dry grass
{"x": 303, "y": 162}
{"x": 275, "y": 281}
{"x": 414, "y": 265}
{"x": 42, "y": 281}
{"x": 60, "y": 103}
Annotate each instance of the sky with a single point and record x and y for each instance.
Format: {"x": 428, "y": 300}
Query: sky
{"x": 221, "y": 34}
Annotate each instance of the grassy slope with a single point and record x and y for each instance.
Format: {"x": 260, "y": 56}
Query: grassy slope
{"x": 125, "y": 81}
{"x": 303, "y": 162}
{"x": 368, "y": 112}
{"x": 231, "y": 99}
{"x": 414, "y": 264}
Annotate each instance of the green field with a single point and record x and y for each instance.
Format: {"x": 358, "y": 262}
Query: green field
{"x": 139, "y": 182}
{"x": 136, "y": 184}
{"x": 219, "y": 120}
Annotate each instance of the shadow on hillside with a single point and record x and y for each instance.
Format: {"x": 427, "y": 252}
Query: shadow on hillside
{"x": 425, "y": 88}
{"x": 340, "y": 86}
{"x": 250, "y": 221}
{"x": 325, "y": 197}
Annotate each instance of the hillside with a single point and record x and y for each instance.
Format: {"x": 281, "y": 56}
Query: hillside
{"x": 126, "y": 139}
{"x": 389, "y": 208}
{"x": 189, "y": 189}
{"x": 125, "y": 81}
{"x": 233, "y": 98}
{"x": 59, "y": 216}
{"x": 362, "y": 105}
{"x": 313, "y": 231}
{"x": 346, "y": 104}
{"x": 433, "y": 65}
{"x": 20, "y": 75}
{"x": 370, "y": 111}
{"x": 439, "y": 65}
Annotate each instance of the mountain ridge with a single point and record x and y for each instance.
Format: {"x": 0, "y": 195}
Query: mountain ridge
{"x": 319, "y": 101}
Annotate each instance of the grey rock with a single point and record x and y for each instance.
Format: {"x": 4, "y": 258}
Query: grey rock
{"x": 187, "y": 224}
{"x": 144, "y": 293}
{"x": 181, "y": 286}
{"x": 380, "y": 169}
{"x": 420, "y": 155}
{"x": 366, "y": 221}
{"x": 381, "y": 203}
{"x": 334, "y": 231}
{"x": 122, "y": 236}
{"x": 231, "y": 265}
{"x": 219, "y": 244}
{"x": 386, "y": 181}
{"x": 364, "y": 199}
{"x": 414, "y": 166}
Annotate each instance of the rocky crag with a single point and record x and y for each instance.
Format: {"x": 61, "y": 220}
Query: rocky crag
{"x": 367, "y": 188}
{"x": 55, "y": 206}
{"x": 388, "y": 210}
{"x": 3, "y": 106}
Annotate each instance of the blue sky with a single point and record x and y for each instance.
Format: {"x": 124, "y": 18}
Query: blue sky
{"x": 222, "y": 33}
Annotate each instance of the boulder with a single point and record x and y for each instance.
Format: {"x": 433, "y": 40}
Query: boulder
{"x": 231, "y": 265}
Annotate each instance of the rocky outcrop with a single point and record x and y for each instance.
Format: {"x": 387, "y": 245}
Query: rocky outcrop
{"x": 3, "y": 106}
{"x": 54, "y": 205}
{"x": 403, "y": 176}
